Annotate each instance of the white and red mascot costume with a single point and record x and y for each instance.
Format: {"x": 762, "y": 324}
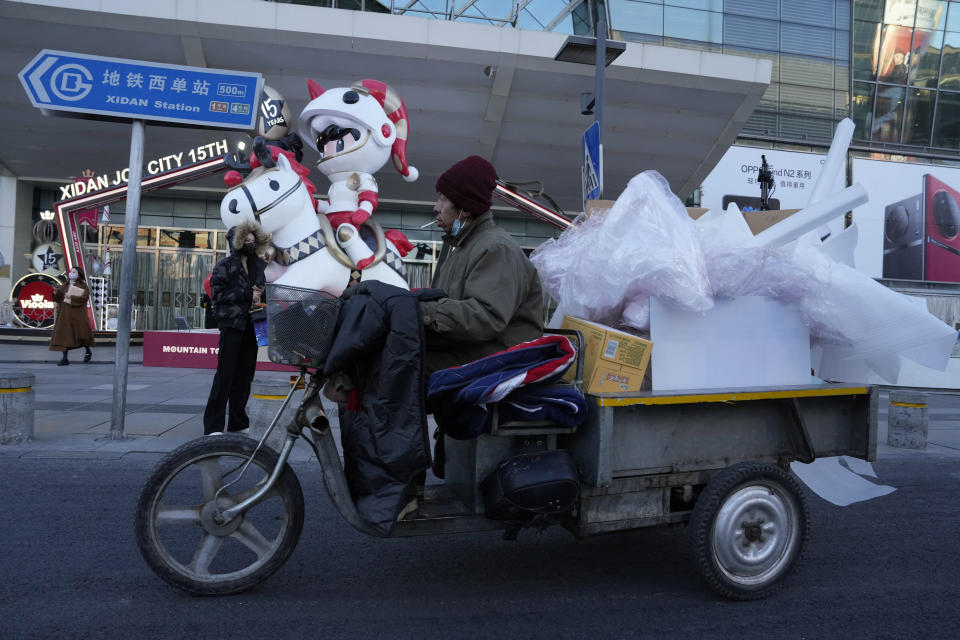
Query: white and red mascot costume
{"x": 356, "y": 130}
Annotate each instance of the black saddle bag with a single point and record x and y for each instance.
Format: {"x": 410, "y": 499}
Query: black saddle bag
{"x": 531, "y": 484}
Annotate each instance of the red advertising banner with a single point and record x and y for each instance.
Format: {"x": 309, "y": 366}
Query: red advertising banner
{"x": 192, "y": 350}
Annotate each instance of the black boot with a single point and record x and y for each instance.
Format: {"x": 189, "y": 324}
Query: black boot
{"x": 63, "y": 361}
{"x": 87, "y": 355}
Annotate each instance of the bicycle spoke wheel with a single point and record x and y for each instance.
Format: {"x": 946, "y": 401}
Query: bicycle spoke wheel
{"x": 178, "y": 528}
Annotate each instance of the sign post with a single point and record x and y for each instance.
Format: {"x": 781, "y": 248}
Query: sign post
{"x": 131, "y": 220}
{"x": 65, "y": 83}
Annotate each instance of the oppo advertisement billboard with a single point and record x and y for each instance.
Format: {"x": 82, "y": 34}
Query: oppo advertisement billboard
{"x": 734, "y": 179}
{"x": 910, "y": 228}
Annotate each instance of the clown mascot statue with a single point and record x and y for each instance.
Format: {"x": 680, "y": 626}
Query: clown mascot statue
{"x": 356, "y": 130}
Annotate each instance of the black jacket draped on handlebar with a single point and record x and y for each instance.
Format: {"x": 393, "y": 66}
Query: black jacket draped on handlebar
{"x": 379, "y": 343}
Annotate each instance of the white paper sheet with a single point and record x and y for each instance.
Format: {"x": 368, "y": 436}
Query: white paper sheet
{"x": 838, "y": 484}
{"x": 858, "y": 466}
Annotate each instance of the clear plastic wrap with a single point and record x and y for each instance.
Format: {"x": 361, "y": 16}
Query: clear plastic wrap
{"x": 645, "y": 245}
{"x": 607, "y": 267}
{"x": 855, "y": 318}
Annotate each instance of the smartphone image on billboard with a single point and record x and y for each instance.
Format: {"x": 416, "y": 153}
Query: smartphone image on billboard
{"x": 942, "y": 216}
{"x": 903, "y": 239}
{"x": 749, "y": 201}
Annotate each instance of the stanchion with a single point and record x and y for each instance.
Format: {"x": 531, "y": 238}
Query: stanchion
{"x": 907, "y": 420}
{"x": 16, "y": 406}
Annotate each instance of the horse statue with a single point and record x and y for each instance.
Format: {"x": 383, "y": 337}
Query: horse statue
{"x": 277, "y": 196}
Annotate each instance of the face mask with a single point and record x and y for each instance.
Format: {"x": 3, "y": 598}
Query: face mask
{"x": 248, "y": 249}
{"x": 457, "y": 225}
{"x": 72, "y": 275}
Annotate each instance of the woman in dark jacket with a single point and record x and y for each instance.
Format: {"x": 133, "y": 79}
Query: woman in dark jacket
{"x": 236, "y": 284}
{"x": 72, "y": 328}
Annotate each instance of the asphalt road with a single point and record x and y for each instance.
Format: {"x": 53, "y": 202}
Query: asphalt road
{"x": 70, "y": 568}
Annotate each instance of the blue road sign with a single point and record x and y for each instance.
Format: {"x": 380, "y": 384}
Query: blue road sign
{"x": 118, "y": 88}
{"x": 592, "y": 164}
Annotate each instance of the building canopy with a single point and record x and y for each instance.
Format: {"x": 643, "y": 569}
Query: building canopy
{"x": 468, "y": 89}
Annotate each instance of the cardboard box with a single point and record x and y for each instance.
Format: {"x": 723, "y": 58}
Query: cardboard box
{"x": 761, "y": 220}
{"x": 613, "y": 361}
{"x": 756, "y": 220}
{"x": 594, "y": 206}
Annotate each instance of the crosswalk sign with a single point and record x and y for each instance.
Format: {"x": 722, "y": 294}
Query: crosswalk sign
{"x": 592, "y": 164}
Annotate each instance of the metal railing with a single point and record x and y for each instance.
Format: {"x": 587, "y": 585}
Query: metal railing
{"x": 564, "y": 16}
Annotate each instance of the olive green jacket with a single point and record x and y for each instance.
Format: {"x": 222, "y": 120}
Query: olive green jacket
{"x": 493, "y": 298}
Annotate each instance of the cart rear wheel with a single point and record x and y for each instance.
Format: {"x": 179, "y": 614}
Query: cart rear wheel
{"x": 748, "y": 530}
{"x": 177, "y": 526}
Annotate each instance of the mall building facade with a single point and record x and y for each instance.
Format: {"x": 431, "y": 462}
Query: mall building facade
{"x": 891, "y": 65}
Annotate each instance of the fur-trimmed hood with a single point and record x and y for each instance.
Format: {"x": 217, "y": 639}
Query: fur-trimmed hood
{"x": 236, "y": 235}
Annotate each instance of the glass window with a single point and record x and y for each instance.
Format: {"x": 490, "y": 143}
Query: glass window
{"x": 931, "y": 14}
{"x": 888, "y": 114}
{"x": 866, "y": 38}
{"x": 817, "y": 12}
{"x": 711, "y": 5}
{"x": 861, "y": 109}
{"x": 950, "y": 70}
{"x": 797, "y": 99}
{"x": 113, "y": 235}
{"x": 806, "y": 128}
{"x": 842, "y": 45}
{"x": 946, "y": 128}
{"x": 807, "y": 71}
{"x": 841, "y": 106}
{"x": 868, "y": 9}
{"x": 953, "y": 17}
{"x": 638, "y": 17}
{"x": 146, "y": 236}
{"x": 899, "y": 12}
{"x": 170, "y": 238}
{"x": 841, "y": 78}
{"x": 843, "y": 16}
{"x": 771, "y": 96}
{"x": 894, "y": 57}
{"x": 919, "y": 117}
{"x": 925, "y": 61}
{"x": 714, "y": 47}
{"x": 498, "y": 9}
{"x": 762, "y": 123}
{"x": 543, "y": 11}
{"x": 692, "y": 24}
{"x": 806, "y": 40}
{"x": 432, "y": 6}
{"x": 741, "y": 31}
{"x": 753, "y": 8}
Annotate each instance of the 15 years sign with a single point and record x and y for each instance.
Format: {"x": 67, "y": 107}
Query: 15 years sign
{"x": 135, "y": 89}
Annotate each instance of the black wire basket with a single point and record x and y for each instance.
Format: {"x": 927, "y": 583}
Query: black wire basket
{"x": 300, "y": 325}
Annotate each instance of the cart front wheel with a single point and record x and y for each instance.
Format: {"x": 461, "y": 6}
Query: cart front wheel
{"x": 748, "y": 530}
{"x": 180, "y": 534}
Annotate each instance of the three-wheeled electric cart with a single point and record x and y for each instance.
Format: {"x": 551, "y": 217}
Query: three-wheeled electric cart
{"x": 220, "y": 514}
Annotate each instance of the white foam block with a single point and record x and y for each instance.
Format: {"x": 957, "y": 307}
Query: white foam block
{"x": 808, "y": 219}
{"x": 750, "y": 341}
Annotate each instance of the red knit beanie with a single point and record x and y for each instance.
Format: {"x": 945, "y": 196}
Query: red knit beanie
{"x": 469, "y": 184}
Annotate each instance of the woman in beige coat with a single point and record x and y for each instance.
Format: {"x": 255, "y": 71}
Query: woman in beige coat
{"x": 72, "y": 328}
